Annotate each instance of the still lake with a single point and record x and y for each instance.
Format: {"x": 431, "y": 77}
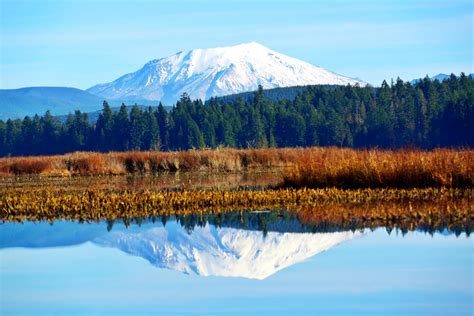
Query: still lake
{"x": 260, "y": 266}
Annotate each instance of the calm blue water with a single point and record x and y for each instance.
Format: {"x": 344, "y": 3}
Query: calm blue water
{"x": 83, "y": 269}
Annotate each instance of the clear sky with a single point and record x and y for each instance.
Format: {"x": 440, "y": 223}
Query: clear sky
{"x": 82, "y": 43}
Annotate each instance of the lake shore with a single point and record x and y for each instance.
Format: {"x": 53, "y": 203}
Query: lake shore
{"x": 404, "y": 188}
{"x": 300, "y": 167}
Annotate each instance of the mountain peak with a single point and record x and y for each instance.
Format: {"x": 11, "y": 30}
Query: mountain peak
{"x": 228, "y": 252}
{"x": 206, "y": 251}
{"x": 205, "y": 73}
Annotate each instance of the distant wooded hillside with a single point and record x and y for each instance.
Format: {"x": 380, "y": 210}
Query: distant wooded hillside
{"x": 427, "y": 114}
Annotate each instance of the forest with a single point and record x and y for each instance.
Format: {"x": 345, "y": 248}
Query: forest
{"x": 426, "y": 114}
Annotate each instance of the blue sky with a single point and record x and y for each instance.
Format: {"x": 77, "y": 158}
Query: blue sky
{"x": 81, "y": 43}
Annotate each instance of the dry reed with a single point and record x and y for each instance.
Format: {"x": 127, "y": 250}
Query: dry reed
{"x": 305, "y": 167}
{"x": 345, "y": 168}
{"x": 92, "y": 163}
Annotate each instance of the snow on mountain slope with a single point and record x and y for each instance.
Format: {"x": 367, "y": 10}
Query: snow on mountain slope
{"x": 204, "y": 73}
{"x": 222, "y": 251}
{"x": 205, "y": 251}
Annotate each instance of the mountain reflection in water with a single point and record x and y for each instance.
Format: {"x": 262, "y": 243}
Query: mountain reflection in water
{"x": 248, "y": 245}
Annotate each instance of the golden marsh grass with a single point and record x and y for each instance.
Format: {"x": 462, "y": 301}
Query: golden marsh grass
{"x": 302, "y": 167}
{"x": 387, "y": 207}
{"x": 340, "y": 186}
{"x": 345, "y": 168}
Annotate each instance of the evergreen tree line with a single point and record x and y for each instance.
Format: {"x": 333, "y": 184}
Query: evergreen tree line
{"x": 426, "y": 114}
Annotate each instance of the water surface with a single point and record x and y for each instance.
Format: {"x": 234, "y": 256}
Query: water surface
{"x": 261, "y": 265}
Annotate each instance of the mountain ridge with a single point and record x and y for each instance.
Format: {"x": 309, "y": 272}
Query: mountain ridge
{"x": 440, "y": 77}
{"x": 226, "y": 252}
{"x": 17, "y": 103}
{"x": 205, "y": 73}
{"x": 206, "y": 251}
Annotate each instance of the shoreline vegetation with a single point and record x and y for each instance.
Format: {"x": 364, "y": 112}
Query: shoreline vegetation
{"x": 405, "y": 189}
{"x": 314, "y": 167}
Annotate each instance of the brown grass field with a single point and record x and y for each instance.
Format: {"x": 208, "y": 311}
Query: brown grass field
{"x": 300, "y": 167}
{"x": 404, "y": 188}
{"x": 151, "y": 162}
{"x": 345, "y": 168}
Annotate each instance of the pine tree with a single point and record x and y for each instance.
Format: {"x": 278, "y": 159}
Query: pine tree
{"x": 164, "y": 126}
{"x": 104, "y": 128}
{"x": 151, "y": 137}
{"x": 137, "y": 129}
{"x": 77, "y": 131}
{"x": 51, "y": 133}
{"x": 121, "y": 130}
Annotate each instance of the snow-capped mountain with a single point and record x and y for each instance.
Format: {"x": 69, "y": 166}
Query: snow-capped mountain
{"x": 229, "y": 252}
{"x": 204, "y": 73}
{"x": 206, "y": 251}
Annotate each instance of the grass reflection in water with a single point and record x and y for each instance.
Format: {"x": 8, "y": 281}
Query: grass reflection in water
{"x": 431, "y": 208}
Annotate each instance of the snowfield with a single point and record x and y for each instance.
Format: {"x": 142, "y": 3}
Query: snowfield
{"x": 210, "y": 251}
{"x": 205, "y": 73}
